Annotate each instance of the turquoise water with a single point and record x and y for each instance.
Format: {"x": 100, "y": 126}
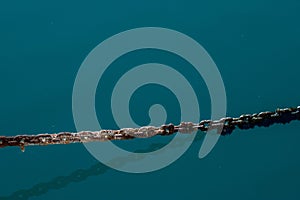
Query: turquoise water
{"x": 255, "y": 45}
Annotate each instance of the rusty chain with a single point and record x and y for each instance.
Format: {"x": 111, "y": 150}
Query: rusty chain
{"x": 224, "y": 125}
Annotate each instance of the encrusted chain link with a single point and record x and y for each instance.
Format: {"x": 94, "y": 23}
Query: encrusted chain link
{"x": 224, "y": 125}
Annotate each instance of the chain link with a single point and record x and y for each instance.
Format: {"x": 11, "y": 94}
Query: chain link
{"x": 229, "y": 124}
{"x": 225, "y": 126}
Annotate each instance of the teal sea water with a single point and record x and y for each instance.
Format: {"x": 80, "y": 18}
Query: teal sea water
{"x": 255, "y": 45}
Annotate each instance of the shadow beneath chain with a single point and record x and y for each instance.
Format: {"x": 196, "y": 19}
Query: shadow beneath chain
{"x": 79, "y": 175}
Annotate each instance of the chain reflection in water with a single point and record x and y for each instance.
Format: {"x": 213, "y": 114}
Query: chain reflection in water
{"x": 81, "y": 174}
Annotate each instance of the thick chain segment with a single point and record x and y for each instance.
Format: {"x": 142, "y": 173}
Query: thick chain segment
{"x": 225, "y": 126}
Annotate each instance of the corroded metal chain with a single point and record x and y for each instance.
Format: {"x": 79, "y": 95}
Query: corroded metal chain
{"x": 224, "y": 125}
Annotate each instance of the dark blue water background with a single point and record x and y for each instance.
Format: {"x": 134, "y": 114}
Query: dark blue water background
{"x": 255, "y": 45}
